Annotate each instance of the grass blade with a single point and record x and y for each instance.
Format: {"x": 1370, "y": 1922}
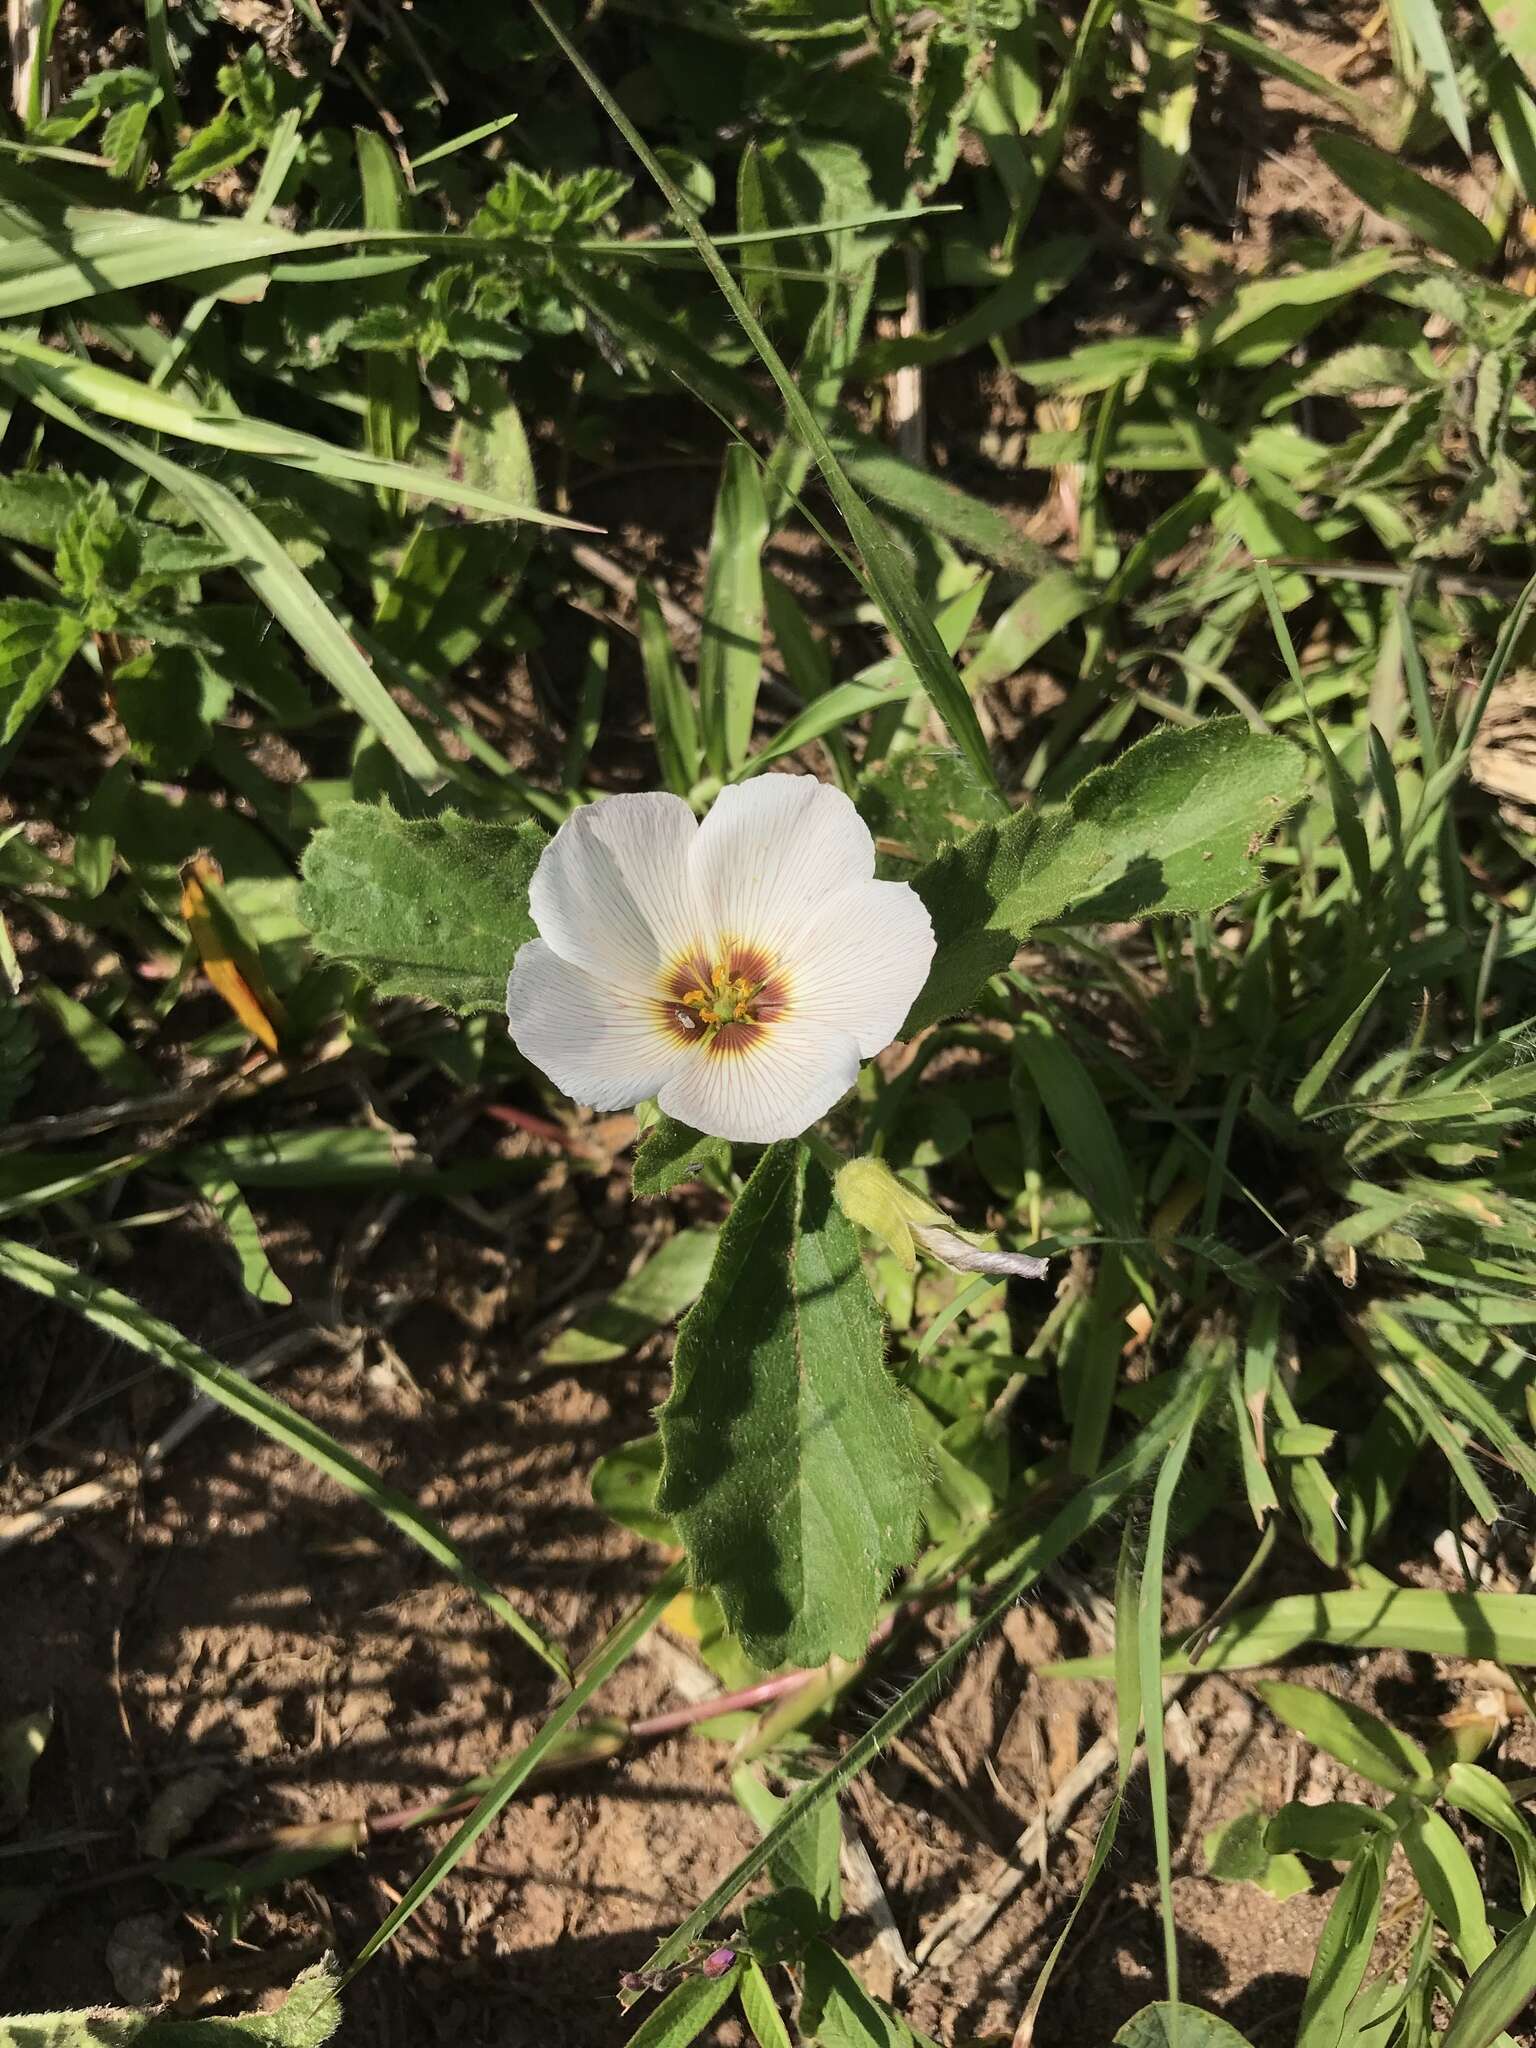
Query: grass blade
{"x": 1426, "y": 31}
{"x": 35, "y": 369}
{"x": 890, "y": 579}
{"x": 393, "y": 418}
{"x": 125, "y": 1320}
{"x": 1149, "y": 1616}
{"x": 731, "y": 645}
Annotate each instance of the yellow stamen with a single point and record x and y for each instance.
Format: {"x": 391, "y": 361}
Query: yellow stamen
{"x": 727, "y": 999}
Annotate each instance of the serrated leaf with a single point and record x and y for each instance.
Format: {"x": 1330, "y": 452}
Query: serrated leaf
{"x": 35, "y": 507}
{"x": 792, "y": 1466}
{"x": 37, "y": 643}
{"x": 1390, "y": 188}
{"x": 1175, "y": 825}
{"x": 670, "y": 1152}
{"x": 433, "y": 907}
{"x": 227, "y": 139}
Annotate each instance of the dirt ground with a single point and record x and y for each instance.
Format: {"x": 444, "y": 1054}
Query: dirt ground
{"x": 238, "y": 1645}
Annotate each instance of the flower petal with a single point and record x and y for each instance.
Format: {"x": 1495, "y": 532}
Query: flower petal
{"x": 599, "y": 1045}
{"x": 611, "y": 892}
{"x": 771, "y": 851}
{"x": 776, "y": 1089}
{"x": 860, "y": 962}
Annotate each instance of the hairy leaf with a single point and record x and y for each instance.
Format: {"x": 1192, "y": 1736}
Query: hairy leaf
{"x": 1175, "y": 825}
{"x": 308, "y": 2016}
{"x": 791, "y": 1462}
{"x": 670, "y": 1152}
{"x": 433, "y": 907}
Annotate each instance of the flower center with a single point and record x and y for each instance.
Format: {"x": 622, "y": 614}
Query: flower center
{"x": 728, "y": 998}
{"x": 723, "y": 997}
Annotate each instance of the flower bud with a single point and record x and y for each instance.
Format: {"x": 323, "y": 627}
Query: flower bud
{"x": 717, "y": 1962}
{"x": 870, "y": 1195}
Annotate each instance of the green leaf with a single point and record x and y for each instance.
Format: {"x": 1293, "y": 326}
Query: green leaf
{"x": 391, "y": 381}
{"x": 228, "y": 138}
{"x": 624, "y": 1486}
{"x": 1182, "y": 2026}
{"x": 1047, "y": 608}
{"x": 169, "y": 701}
{"x": 806, "y": 1859}
{"x": 837, "y": 2012}
{"x": 1344, "y": 1951}
{"x": 1359, "y": 1740}
{"x": 1167, "y": 112}
{"x": 762, "y": 2015}
{"x": 1491, "y": 1803}
{"x": 792, "y": 1465}
{"x": 1333, "y": 1831}
{"x": 1174, "y": 826}
{"x": 1237, "y": 1852}
{"x": 890, "y": 578}
{"x": 1498, "y": 1992}
{"x": 731, "y": 633}
{"x": 1390, "y": 188}
{"x": 685, "y": 2012}
{"x": 676, "y": 725}
{"x": 1449, "y": 1883}
{"x": 33, "y": 368}
{"x": 1266, "y": 57}
{"x": 257, "y": 1274}
{"x": 1007, "y": 1580}
{"x": 1427, "y": 33}
{"x": 1095, "y": 1157}
{"x": 669, "y": 1153}
{"x": 1498, "y": 1626}
{"x": 278, "y": 582}
{"x": 649, "y": 1300}
{"x": 433, "y": 907}
{"x": 36, "y": 506}
{"x": 37, "y": 643}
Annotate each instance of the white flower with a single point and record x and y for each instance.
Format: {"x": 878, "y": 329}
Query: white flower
{"x": 737, "y": 970}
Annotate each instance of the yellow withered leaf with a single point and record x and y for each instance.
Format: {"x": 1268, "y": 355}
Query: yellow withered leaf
{"x": 230, "y": 965}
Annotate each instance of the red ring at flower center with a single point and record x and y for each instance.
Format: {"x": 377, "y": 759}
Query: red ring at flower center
{"x": 721, "y": 998}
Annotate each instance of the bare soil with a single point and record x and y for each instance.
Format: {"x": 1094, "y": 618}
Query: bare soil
{"x": 239, "y": 1645}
